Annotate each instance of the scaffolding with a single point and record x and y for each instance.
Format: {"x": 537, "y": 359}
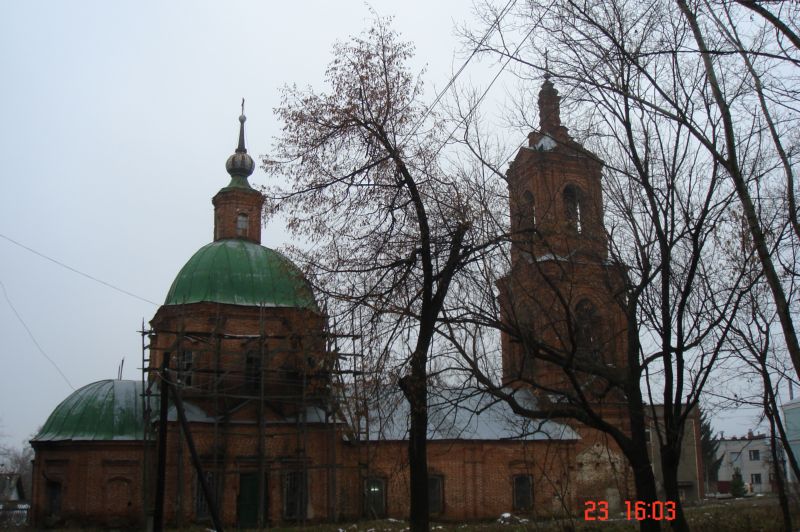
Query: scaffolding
{"x": 280, "y": 379}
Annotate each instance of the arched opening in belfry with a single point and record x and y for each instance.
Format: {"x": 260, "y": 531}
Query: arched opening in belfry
{"x": 587, "y": 329}
{"x": 528, "y": 209}
{"x": 573, "y": 208}
{"x": 242, "y": 223}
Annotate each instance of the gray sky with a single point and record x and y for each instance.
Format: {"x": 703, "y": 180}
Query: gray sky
{"x": 117, "y": 119}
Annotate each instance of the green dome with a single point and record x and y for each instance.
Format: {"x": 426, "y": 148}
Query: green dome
{"x": 103, "y": 410}
{"x": 240, "y": 272}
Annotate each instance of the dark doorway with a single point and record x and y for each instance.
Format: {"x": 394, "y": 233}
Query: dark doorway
{"x": 374, "y": 498}
{"x": 435, "y": 494}
{"x": 247, "y": 502}
{"x": 523, "y": 493}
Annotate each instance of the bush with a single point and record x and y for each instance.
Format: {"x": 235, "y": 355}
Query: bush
{"x": 737, "y": 484}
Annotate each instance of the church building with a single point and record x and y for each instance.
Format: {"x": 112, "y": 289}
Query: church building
{"x": 242, "y": 415}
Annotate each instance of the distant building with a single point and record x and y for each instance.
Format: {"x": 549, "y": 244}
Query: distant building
{"x": 751, "y": 456}
{"x": 11, "y": 489}
{"x": 13, "y": 508}
{"x": 791, "y": 417}
{"x": 690, "y": 467}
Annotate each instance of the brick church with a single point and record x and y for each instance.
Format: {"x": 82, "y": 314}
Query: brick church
{"x": 243, "y": 414}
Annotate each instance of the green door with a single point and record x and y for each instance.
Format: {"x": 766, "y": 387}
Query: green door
{"x": 247, "y": 503}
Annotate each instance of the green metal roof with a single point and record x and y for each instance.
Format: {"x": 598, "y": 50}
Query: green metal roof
{"x": 240, "y": 272}
{"x": 238, "y": 182}
{"x": 102, "y": 410}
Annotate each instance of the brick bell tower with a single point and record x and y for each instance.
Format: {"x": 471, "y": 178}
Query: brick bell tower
{"x": 561, "y": 295}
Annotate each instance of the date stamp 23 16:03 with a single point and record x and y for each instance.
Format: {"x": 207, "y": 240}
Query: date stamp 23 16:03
{"x": 638, "y": 510}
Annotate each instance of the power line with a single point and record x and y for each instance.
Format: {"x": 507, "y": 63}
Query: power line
{"x": 485, "y": 92}
{"x": 503, "y": 13}
{"x": 36, "y": 343}
{"x": 70, "y": 268}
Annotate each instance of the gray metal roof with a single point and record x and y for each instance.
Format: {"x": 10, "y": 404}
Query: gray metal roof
{"x": 195, "y": 414}
{"x": 462, "y": 414}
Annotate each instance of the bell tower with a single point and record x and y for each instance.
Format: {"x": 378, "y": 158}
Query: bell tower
{"x": 560, "y": 298}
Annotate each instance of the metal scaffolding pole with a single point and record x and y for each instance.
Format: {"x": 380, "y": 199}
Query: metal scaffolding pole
{"x": 158, "y": 514}
{"x": 210, "y": 500}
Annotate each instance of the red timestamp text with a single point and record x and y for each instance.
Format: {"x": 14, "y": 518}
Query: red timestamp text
{"x": 595, "y": 511}
{"x": 634, "y": 510}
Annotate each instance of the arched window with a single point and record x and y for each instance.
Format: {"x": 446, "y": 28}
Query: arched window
{"x": 528, "y": 209}
{"x": 587, "y": 328}
{"x": 241, "y": 224}
{"x": 572, "y": 197}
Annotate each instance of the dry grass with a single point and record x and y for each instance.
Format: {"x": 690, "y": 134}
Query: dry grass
{"x": 761, "y": 514}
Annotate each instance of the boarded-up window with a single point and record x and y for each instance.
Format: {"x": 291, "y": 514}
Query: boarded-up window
{"x": 523, "y": 493}
{"x": 252, "y": 371}
{"x": 185, "y": 367}
{"x": 118, "y": 496}
{"x": 53, "y": 490}
{"x": 201, "y": 504}
{"x": 295, "y": 495}
{"x": 435, "y": 494}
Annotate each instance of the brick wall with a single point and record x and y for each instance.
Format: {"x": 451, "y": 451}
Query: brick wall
{"x": 101, "y": 483}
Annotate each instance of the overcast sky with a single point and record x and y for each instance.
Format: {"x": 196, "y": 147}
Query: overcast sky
{"x": 117, "y": 119}
{"x": 116, "y": 122}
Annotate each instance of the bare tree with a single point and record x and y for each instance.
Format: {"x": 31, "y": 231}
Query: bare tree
{"x": 725, "y": 91}
{"x": 760, "y": 361}
{"x": 390, "y": 226}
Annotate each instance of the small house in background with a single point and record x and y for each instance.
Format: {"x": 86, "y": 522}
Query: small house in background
{"x": 751, "y": 456}
{"x": 791, "y": 416}
{"x": 13, "y": 508}
{"x": 11, "y": 489}
{"x": 690, "y": 466}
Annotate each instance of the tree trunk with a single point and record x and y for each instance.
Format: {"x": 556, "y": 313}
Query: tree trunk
{"x": 415, "y": 388}
{"x": 771, "y": 410}
{"x": 670, "y": 458}
{"x": 644, "y": 482}
{"x": 776, "y": 465}
{"x": 636, "y": 451}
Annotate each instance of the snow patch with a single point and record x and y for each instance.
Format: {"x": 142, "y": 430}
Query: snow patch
{"x": 546, "y": 143}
